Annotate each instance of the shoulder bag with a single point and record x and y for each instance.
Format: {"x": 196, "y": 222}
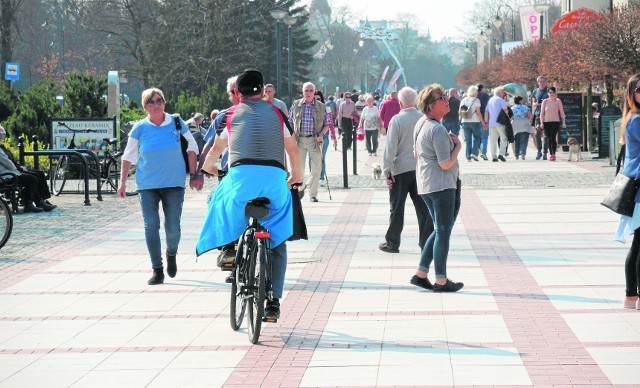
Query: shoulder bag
{"x": 183, "y": 142}
{"x": 465, "y": 111}
{"x": 622, "y": 193}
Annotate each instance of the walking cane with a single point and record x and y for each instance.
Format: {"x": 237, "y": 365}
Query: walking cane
{"x": 326, "y": 177}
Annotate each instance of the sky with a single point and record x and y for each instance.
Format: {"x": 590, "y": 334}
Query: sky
{"x": 441, "y": 17}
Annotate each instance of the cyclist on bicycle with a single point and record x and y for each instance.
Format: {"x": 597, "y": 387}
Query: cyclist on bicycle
{"x": 257, "y": 138}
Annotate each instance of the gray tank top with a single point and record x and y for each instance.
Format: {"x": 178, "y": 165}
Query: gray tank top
{"x": 256, "y": 134}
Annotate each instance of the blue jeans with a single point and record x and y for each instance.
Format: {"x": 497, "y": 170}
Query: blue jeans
{"x": 278, "y": 269}
{"x": 485, "y": 141}
{"x": 472, "y": 137}
{"x": 443, "y": 207}
{"x": 521, "y": 142}
{"x": 172, "y": 199}
{"x": 452, "y": 126}
{"x": 325, "y": 147}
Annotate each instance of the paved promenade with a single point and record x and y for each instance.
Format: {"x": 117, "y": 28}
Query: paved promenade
{"x": 541, "y": 305}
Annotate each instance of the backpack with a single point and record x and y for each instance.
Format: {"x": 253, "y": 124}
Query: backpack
{"x": 465, "y": 111}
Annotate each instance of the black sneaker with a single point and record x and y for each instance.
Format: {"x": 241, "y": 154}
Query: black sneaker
{"x": 226, "y": 258}
{"x": 494, "y": 160}
{"x": 502, "y": 158}
{"x": 272, "y": 311}
{"x": 384, "y": 247}
{"x": 421, "y": 282}
{"x": 449, "y": 286}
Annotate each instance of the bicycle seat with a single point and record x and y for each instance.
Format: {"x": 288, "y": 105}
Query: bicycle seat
{"x": 257, "y": 208}
{"x": 112, "y": 141}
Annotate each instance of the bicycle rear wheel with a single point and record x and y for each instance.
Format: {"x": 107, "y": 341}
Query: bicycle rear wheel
{"x": 238, "y": 305}
{"x": 6, "y": 222}
{"x": 256, "y": 280}
{"x": 59, "y": 175}
{"x": 113, "y": 173}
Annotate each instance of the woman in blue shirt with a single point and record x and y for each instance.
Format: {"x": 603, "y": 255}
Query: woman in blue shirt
{"x": 154, "y": 145}
{"x": 521, "y": 127}
{"x": 631, "y": 225}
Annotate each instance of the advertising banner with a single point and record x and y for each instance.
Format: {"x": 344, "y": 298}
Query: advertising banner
{"x": 100, "y": 129}
{"x": 530, "y": 23}
{"x": 382, "y": 77}
{"x": 393, "y": 80}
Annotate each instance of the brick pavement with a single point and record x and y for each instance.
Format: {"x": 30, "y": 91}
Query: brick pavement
{"x": 540, "y": 307}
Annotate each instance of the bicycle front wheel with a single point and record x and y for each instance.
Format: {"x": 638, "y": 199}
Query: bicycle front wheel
{"x": 256, "y": 280}
{"x": 113, "y": 174}
{"x": 59, "y": 175}
{"x": 6, "y": 222}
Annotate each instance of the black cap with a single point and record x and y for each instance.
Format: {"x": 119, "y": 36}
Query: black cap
{"x": 249, "y": 82}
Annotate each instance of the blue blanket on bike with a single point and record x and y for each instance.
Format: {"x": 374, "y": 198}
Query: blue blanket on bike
{"x": 225, "y": 219}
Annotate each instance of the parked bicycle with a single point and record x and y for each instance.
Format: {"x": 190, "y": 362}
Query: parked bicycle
{"x": 8, "y": 181}
{"x": 109, "y": 164}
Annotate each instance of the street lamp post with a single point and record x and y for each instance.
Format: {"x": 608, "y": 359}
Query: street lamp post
{"x": 278, "y": 14}
{"x": 290, "y": 21}
{"x": 498, "y": 21}
{"x": 542, "y": 9}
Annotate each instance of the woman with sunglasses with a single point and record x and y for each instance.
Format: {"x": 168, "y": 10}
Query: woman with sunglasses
{"x": 630, "y": 138}
{"x": 154, "y": 145}
{"x": 551, "y": 112}
{"x": 437, "y": 177}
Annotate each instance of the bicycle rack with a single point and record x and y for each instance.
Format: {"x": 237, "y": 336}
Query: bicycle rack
{"x": 77, "y": 153}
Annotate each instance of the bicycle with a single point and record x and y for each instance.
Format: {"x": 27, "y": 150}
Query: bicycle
{"x": 109, "y": 165}
{"x": 8, "y": 181}
{"x": 252, "y": 271}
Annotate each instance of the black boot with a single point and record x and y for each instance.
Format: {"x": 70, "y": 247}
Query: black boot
{"x": 172, "y": 268}
{"x": 158, "y": 276}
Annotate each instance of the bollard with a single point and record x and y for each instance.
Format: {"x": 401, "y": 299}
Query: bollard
{"x": 21, "y": 150}
{"x": 355, "y": 152}
{"x": 36, "y": 160}
{"x": 345, "y": 177}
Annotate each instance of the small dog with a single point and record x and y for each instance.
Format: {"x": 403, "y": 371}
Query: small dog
{"x": 376, "y": 171}
{"x": 574, "y": 148}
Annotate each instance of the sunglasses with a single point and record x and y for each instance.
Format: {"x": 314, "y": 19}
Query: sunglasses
{"x": 159, "y": 101}
{"x": 443, "y": 98}
{"x": 637, "y": 90}
{"x": 552, "y": 92}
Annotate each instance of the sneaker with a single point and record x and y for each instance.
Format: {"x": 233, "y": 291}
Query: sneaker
{"x": 630, "y": 302}
{"x": 272, "y": 311}
{"x": 375, "y": 154}
{"x": 314, "y": 199}
{"x": 421, "y": 282}
{"x": 552, "y": 158}
{"x": 449, "y": 286}
{"x": 484, "y": 157}
{"x": 474, "y": 157}
{"x": 544, "y": 157}
{"x": 517, "y": 157}
{"x": 468, "y": 160}
{"x": 539, "y": 155}
{"x": 494, "y": 160}
{"x": 502, "y": 158}
{"x": 370, "y": 153}
{"x": 522, "y": 157}
{"x": 384, "y": 247}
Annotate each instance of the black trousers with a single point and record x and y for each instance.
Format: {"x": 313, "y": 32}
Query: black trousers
{"x": 347, "y": 131}
{"x": 404, "y": 184}
{"x": 632, "y": 266}
{"x": 34, "y": 186}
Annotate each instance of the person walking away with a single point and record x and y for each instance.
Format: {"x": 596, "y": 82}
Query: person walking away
{"x": 538, "y": 95}
{"x": 310, "y": 122}
{"x": 521, "y": 127}
{"x": 259, "y": 144}
{"x": 154, "y": 145}
{"x": 438, "y": 184}
{"x": 474, "y": 125}
{"x": 630, "y": 138}
{"x": 371, "y": 122}
{"x": 346, "y": 111}
{"x": 551, "y": 112}
{"x": 388, "y": 109}
{"x": 497, "y": 130}
{"x": 451, "y": 120}
{"x": 399, "y": 168}
{"x": 484, "y": 100}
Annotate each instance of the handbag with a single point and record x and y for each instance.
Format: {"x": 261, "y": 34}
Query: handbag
{"x": 621, "y": 196}
{"x": 465, "y": 111}
{"x": 184, "y": 144}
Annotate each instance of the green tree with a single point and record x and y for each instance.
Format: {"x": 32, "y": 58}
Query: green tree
{"x": 84, "y": 96}
{"x": 33, "y": 112}
{"x": 7, "y": 100}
